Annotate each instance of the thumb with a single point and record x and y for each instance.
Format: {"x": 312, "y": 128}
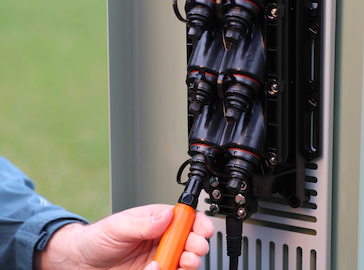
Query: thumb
{"x": 158, "y": 224}
{"x": 138, "y": 228}
{"x": 152, "y": 266}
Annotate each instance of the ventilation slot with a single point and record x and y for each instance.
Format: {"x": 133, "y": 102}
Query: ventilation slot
{"x": 207, "y": 257}
{"x": 245, "y": 254}
{"x": 278, "y": 213}
{"x": 313, "y": 260}
{"x": 219, "y": 251}
{"x": 312, "y": 192}
{"x": 311, "y": 166}
{"x": 271, "y": 256}
{"x": 281, "y": 226}
{"x": 280, "y": 200}
{"x": 285, "y": 257}
{"x": 299, "y": 258}
{"x": 259, "y": 254}
{"x": 311, "y": 179}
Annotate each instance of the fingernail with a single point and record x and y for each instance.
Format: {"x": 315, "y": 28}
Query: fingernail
{"x": 159, "y": 217}
{"x": 155, "y": 265}
{"x": 152, "y": 266}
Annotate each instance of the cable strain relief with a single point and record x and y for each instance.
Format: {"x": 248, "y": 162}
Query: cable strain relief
{"x": 233, "y": 246}
{"x": 234, "y": 236}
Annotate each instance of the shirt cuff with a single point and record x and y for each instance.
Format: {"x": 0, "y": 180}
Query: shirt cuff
{"x": 36, "y": 232}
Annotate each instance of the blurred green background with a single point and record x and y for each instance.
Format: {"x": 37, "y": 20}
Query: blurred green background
{"x": 54, "y": 99}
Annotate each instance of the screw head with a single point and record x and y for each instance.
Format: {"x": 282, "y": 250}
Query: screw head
{"x": 273, "y": 160}
{"x": 244, "y": 186}
{"x": 216, "y": 194}
{"x": 240, "y": 199}
{"x": 274, "y": 88}
{"x": 214, "y": 208}
{"x": 274, "y": 12}
{"x": 242, "y": 212}
{"x": 214, "y": 181}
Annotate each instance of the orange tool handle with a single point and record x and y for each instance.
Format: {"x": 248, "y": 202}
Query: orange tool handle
{"x": 174, "y": 239}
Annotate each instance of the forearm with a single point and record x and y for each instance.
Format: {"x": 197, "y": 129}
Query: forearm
{"x": 61, "y": 251}
{"x": 27, "y": 220}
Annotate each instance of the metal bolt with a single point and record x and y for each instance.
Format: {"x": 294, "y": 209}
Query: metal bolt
{"x": 273, "y": 160}
{"x": 214, "y": 208}
{"x": 273, "y": 89}
{"x": 216, "y": 194}
{"x": 242, "y": 212}
{"x": 313, "y": 103}
{"x": 240, "y": 199}
{"x": 214, "y": 181}
{"x": 274, "y": 13}
{"x": 243, "y": 186}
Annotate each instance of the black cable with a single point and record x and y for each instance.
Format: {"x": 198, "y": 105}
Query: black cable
{"x": 211, "y": 158}
{"x": 233, "y": 263}
{"x": 234, "y": 229}
{"x": 180, "y": 171}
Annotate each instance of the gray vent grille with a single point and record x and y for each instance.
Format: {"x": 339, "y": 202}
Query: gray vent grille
{"x": 275, "y": 213}
{"x": 266, "y": 256}
{"x": 280, "y": 237}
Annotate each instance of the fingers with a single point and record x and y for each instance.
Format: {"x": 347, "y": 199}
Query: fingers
{"x": 131, "y": 226}
{"x": 189, "y": 261}
{"x": 147, "y": 210}
{"x": 150, "y": 222}
{"x": 197, "y": 244}
{"x": 203, "y": 225}
{"x": 149, "y": 228}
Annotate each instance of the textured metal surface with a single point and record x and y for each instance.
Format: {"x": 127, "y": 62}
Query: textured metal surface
{"x": 348, "y": 136}
{"x": 149, "y": 142}
{"x": 148, "y": 102}
{"x": 281, "y": 237}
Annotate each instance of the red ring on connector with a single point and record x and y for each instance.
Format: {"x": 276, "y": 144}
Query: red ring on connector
{"x": 196, "y": 71}
{"x": 238, "y": 149}
{"x": 201, "y": 144}
{"x": 253, "y": 4}
{"x": 247, "y": 77}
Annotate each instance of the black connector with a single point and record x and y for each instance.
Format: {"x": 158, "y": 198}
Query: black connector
{"x": 234, "y": 228}
{"x": 238, "y": 16}
{"x": 200, "y": 16}
{"x": 203, "y": 70}
{"x": 242, "y": 77}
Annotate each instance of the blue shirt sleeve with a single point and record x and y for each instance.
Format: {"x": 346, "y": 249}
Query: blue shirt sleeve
{"x": 27, "y": 220}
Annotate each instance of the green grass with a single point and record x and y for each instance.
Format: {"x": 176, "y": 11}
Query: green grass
{"x": 54, "y": 99}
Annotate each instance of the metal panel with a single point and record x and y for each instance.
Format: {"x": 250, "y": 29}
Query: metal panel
{"x": 121, "y": 96}
{"x": 148, "y": 132}
{"x": 348, "y": 136}
{"x": 148, "y": 102}
{"x": 280, "y": 237}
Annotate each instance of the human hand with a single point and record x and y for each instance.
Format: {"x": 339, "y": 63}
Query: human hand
{"x": 126, "y": 240}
